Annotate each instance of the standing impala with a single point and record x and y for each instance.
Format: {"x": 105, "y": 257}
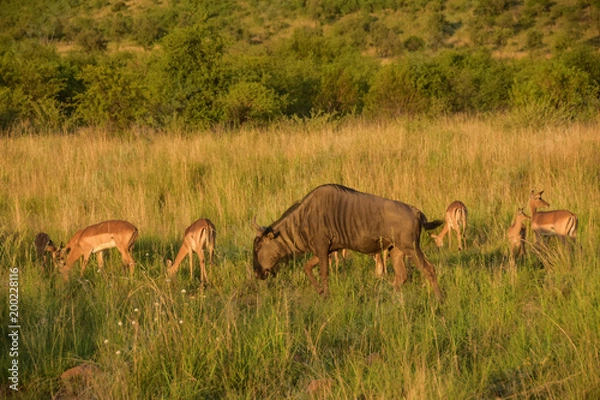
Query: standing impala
{"x": 198, "y": 236}
{"x": 561, "y": 223}
{"x": 456, "y": 219}
{"x": 516, "y": 236}
{"x": 95, "y": 239}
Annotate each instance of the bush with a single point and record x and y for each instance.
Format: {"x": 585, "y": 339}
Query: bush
{"x": 250, "y": 102}
{"x": 480, "y": 82}
{"x": 150, "y": 26}
{"x": 91, "y": 39}
{"x": 188, "y": 76}
{"x": 409, "y": 87}
{"x": 414, "y": 43}
{"x": 29, "y": 86}
{"x": 113, "y": 98}
{"x": 385, "y": 40}
{"x": 554, "y": 91}
{"x": 534, "y": 40}
{"x": 343, "y": 86}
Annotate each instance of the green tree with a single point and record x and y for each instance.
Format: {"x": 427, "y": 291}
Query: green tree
{"x": 554, "y": 91}
{"x": 114, "y": 96}
{"x": 408, "y": 87}
{"x": 29, "y": 86}
{"x": 188, "y": 77}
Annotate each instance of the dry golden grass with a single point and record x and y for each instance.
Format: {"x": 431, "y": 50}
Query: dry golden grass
{"x": 528, "y": 333}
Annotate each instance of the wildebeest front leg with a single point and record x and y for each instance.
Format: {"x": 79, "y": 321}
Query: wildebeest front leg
{"x": 324, "y": 269}
{"x": 308, "y": 269}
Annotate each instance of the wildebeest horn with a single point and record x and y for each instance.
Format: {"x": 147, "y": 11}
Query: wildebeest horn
{"x": 259, "y": 228}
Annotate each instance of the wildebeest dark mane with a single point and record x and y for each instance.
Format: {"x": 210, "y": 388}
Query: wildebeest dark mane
{"x": 342, "y": 188}
{"x": 297, "y": 204}
{"x": 285, "y": 214}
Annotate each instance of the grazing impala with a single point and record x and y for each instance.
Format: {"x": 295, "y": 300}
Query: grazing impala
{"x": 516, "y": 236}
{"x": 198, "y": 236}
{"x": 334, "y": 217}
{"x": 95, "y": 239}
{"x": 335, "y": 256}
{"x": 43, "y": 245}
{"x": 561, "y": 223}
{"x": 379, "y": 258}
{"x": 456, "y": 219}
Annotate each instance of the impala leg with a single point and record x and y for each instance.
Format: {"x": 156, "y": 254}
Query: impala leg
{"x": 191, "y": 254}
{"x": 211, "y": 255}
{"x": 380, "y": 264}
{"x": 84, "y": 262}
{"x": 126, "y": 258}
{"x": 131, "y": 263}
{"x": 100, "y": 259}
{"x": 511, "y": 256}
{"x": 308, "y": 269}
{"x": 203, "y": 276}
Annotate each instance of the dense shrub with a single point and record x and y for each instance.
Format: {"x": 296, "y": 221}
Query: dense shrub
{"x": 114, "y": 96}
{"x": 250, "y": 102}
{"x": 412, "y": 86}
{"x": 29, "y": 85}
{"x": 480, "y": 82}
{"x": 554, "y": 91}
{"x": 203, "y": 63}
{"x": 343, "y": 86}
{"x": 188, "y": 76}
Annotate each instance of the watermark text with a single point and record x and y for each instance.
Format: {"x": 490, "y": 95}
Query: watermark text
{"x": 14, "y": 328}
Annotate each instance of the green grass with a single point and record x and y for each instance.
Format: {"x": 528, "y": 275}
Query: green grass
{"x": 528, "y": 334}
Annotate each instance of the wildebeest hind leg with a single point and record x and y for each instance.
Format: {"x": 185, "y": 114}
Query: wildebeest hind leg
{"x": 428, "y": 270}
{"x": 401, "y": 275}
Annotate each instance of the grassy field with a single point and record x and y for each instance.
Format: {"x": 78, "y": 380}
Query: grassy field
{"x": 533, "y": 333}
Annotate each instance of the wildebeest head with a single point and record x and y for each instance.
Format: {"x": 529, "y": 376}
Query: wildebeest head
{"x": 264, "y": 251}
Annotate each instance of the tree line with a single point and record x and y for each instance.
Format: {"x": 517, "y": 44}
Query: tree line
{"x": 194, "y": 75}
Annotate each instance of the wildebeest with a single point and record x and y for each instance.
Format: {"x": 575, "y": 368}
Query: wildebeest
{"x": 334, "y": 217}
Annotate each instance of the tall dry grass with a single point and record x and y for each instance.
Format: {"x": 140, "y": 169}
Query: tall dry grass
{"x": 532, "y": 333}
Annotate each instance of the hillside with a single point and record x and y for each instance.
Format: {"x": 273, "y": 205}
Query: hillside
{"x": 262, "y": 60}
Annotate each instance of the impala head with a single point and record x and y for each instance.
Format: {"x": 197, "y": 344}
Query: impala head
{"x": 439, "y": 240}
{"x": 264, "y": 253}
{"x": 536, "y": 201}
{"x": 521, "y": 214}
{"x": 60, "y": 255}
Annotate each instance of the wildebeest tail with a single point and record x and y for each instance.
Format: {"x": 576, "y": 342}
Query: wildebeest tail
{"x": 429, "y": 225}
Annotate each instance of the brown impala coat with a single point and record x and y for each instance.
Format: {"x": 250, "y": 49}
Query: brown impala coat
{"x": 334, "y": 217}
{"x": 96, "y": 238}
